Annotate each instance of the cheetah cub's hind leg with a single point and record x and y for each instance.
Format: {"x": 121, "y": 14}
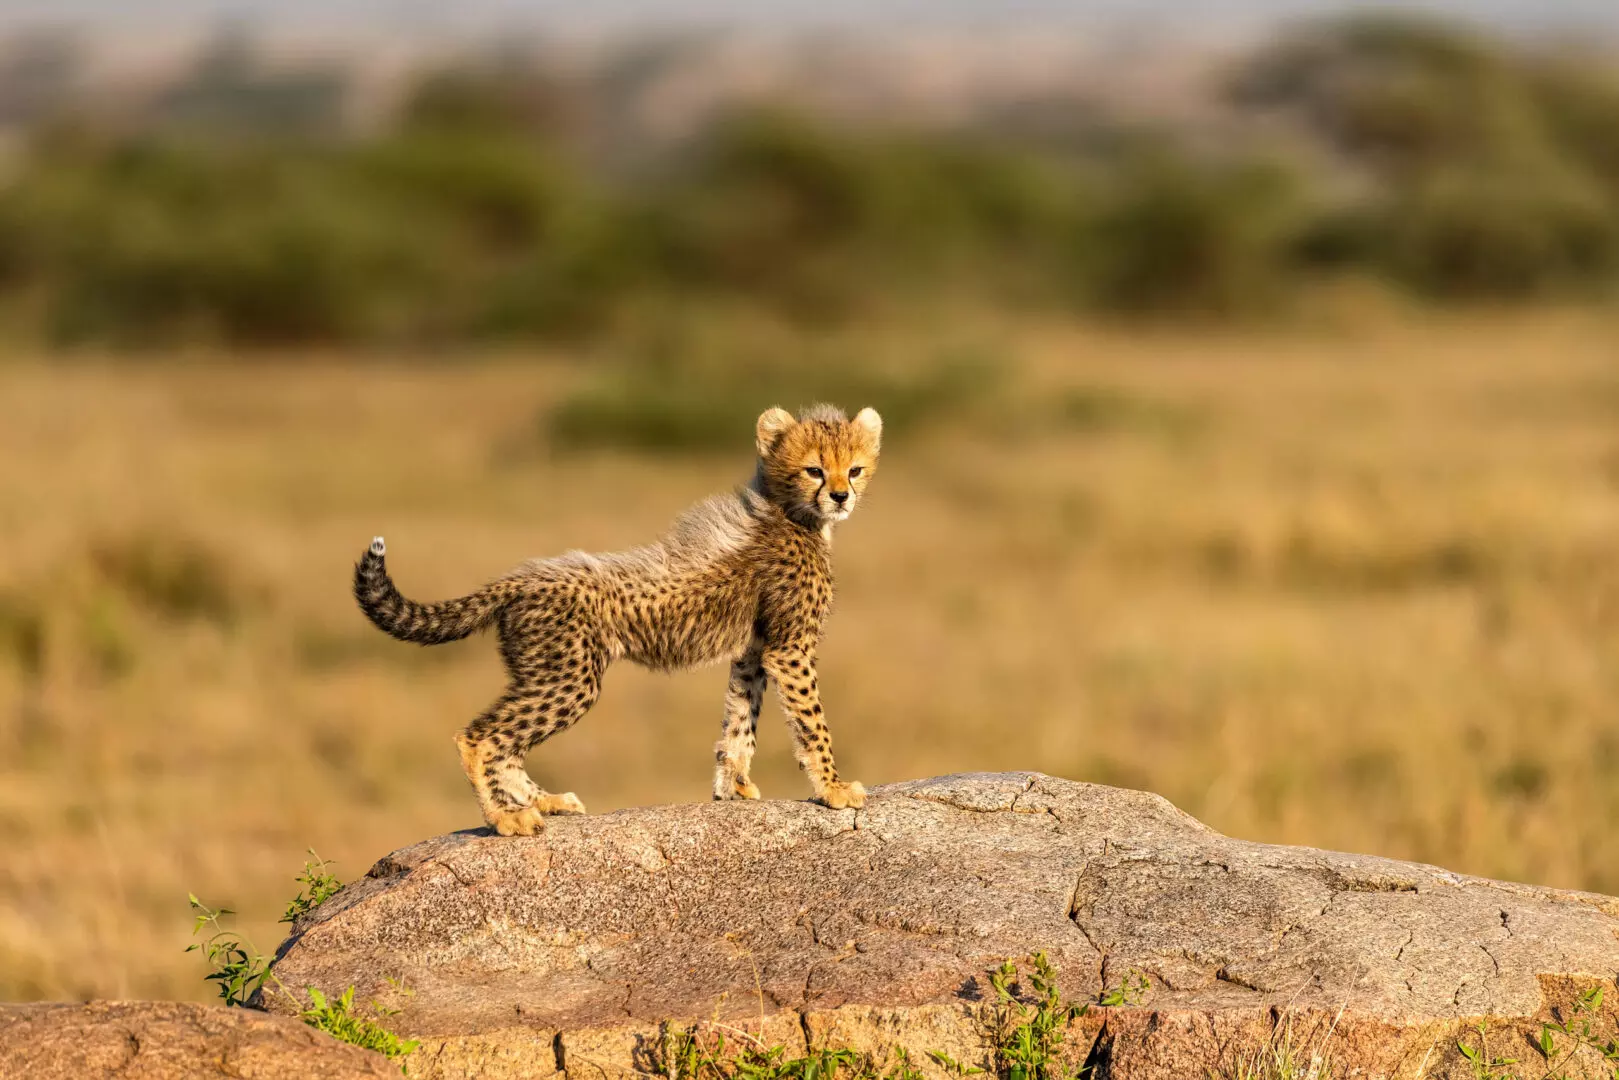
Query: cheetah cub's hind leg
{"x": 733, "y": 754}
{"x": 512, "y": 803}
{"x": 494, "y": 745}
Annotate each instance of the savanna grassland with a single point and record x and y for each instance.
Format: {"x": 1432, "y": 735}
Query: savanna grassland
{"x": 1349, "y": 589}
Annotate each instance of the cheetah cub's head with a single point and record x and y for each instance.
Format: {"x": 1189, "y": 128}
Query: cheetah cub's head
{"x": 816, "y": 466}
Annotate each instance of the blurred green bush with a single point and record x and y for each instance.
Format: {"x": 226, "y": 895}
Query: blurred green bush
{"x": 1416, "y": 152}
{"x": 1480, "y": 173}
{"x": 689, "y": 384}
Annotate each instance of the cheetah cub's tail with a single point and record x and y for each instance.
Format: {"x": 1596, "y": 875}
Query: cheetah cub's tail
{"x": 409, "y": 620}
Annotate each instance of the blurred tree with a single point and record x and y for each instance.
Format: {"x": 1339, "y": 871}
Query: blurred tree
{"x": 1492, "y": 174}
{"x": 506, "y": 91}
{"x": 1176, "y": 235}
{"x": 230, "y": 90}
{"x": 40, "y": 73}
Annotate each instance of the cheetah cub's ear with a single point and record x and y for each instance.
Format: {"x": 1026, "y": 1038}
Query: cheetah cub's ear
{"x": 772, "y": 423}
{"x": 868, "y": 421}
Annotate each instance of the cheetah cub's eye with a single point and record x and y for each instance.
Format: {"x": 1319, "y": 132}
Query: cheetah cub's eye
{"x": 813, "y": 472}
{"x": 855, "y": 470}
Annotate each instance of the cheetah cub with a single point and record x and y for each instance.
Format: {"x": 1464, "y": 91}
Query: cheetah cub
{"x": 745, "y": 577}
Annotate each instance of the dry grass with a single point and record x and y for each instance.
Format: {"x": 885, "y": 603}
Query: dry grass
{"x": 1361, "y": 593}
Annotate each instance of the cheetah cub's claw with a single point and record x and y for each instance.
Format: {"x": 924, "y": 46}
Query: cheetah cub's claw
{"x": 839, "y": 795}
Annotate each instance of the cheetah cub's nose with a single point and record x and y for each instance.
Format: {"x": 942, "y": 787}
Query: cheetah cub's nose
{"x": 840, "y": 497}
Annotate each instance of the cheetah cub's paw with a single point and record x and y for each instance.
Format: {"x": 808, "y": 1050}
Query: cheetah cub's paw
{"x": 529, "y": 821}
{"x": 378, "y": 547}
{"x": 566, "y": 803}
{"x": 839, "y": 795}
{"x": 729, "y": 786}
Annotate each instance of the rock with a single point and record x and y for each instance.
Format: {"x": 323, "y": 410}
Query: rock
{"x": 171, "y": 1040}
{"x": 874, "y": 929}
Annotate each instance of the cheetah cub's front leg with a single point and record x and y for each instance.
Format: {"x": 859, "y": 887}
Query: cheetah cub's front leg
{"x": 733, "y": 754}
{"x": 796, "y": 685}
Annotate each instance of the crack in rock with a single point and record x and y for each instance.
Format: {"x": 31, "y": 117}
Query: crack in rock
{"x": 1224, "y": 975}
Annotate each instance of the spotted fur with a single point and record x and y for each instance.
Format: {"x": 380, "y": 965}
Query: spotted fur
{"x": 744, "y": 578}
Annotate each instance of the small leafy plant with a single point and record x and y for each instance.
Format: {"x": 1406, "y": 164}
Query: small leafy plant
{"x": 1028, "y": 1035}
{"x": 700, "y": 1053}
{"x": 1485, "y": 1065}
{"x": 1024, "y": 1039}
{"x": 236, "y": 966}
{"x": 1132, "y": 991}
{"x": 241, "y": 971}
{"x": 235, "y": 963}
{"x": 338, "y": 1019}
{"x": 951, "y": 1065}
{"x": 1577, "y": 1034}
{"x": 320, "y": 884}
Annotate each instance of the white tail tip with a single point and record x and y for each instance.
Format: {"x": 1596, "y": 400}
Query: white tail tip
{"x": 378, "y": 547}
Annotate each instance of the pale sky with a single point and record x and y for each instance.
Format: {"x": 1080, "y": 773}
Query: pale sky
{"x": 562, "y": 16}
